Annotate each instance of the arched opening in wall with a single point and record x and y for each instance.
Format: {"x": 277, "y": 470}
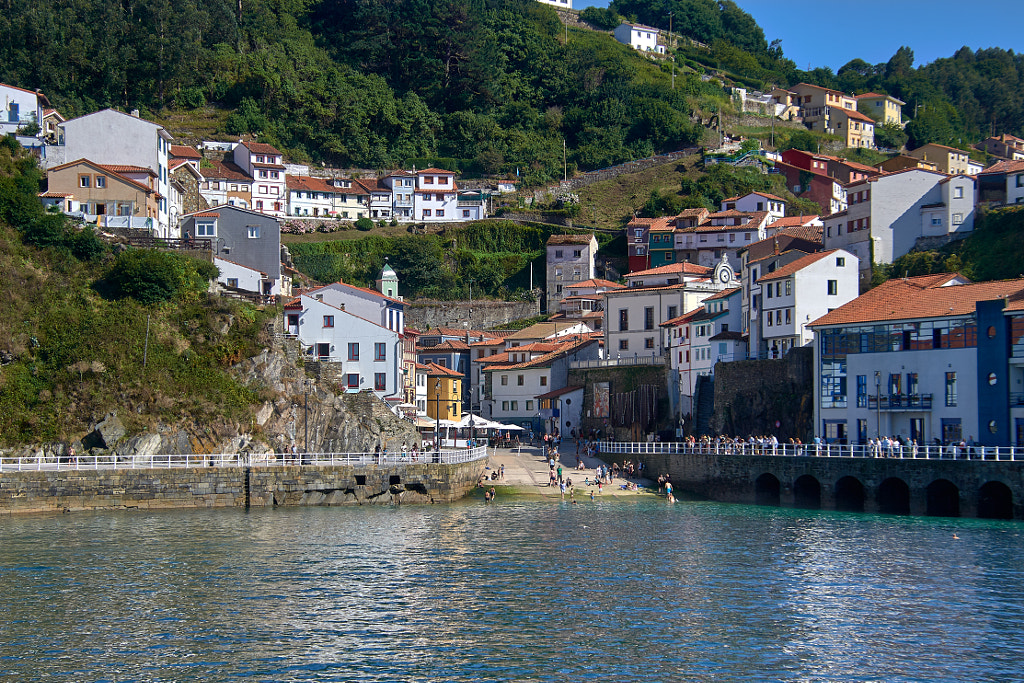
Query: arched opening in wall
{"x": 767, "y": 490}
{"x": 995, "y": 501}
{"x": 894, "y": 497}
{"x": 807, "y": 493}
{"x": 849, "y": 495}
{"x": 943, "y": 499}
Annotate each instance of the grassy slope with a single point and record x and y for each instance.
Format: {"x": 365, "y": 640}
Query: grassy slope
{"x": 77, "y": 356}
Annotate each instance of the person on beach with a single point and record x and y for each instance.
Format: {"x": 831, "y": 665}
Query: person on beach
{"x": 559, "y": 473}
{"x": 561, "y": 488}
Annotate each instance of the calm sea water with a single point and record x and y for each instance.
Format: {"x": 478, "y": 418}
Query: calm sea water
{"x": 609, "y": 591}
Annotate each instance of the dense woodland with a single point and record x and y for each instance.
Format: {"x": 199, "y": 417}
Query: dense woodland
{"x": 493, "y": 84}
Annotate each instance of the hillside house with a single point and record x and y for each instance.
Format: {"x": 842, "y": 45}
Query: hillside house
{"x": 570, "y": 259}
{"x": 639, "y": 37}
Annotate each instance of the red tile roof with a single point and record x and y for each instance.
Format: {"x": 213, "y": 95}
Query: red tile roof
{"x": 793, "y": 222}
{"x": 799, "y": 264}
{"x": 724, "y": 294}
{"x": 685, "y": 317}
{"x": 435, "y": 370}
{"x": 922, "y": 297}
{"x": 261, "y": 148}
{"x": 226, "y": 170}
{"x": 558, "y": 392}
{"x": 1004, "y": 167}
{"x": 759, "y": 194}
{"x": 597, "y": 283}
{"x": 435, "y": 171}
{"x": 125, "y": 168}
{"x": 682, "y": 267}
{"x": 185, "y": 152}
{"x": 854, "y": 114}
{"x": 309, "y": 184}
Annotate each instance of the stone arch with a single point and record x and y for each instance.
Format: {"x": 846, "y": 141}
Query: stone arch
{"x": 767, "y": 490}
{"x": 894, "y": 497}
{"x": 943, "y": 498}
{"x": 995, "y": 501}
{"x": 807, "y": 492}
{"x": 849, "y": 495}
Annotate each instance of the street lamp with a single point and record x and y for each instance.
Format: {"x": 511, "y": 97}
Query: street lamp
{"x": 437, "y": 420}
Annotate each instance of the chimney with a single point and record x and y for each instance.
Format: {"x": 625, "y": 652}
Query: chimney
{"x": 135, "y": 113}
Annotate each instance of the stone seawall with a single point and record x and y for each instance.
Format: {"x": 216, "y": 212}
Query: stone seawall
{"x": 786, "y": 481}
{"x": 24, "y": 492}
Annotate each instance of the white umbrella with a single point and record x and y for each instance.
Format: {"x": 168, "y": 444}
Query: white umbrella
{"x": 514, "y": 428}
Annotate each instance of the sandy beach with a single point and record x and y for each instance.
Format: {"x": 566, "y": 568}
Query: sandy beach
{"x": 526, "y": 474}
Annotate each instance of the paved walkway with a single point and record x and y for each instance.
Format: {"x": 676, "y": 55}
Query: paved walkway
{"x": 526, "y": 471}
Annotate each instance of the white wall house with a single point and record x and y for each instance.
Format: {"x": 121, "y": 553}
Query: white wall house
{"x": 887, "y": 214}
{"x": 800, "y": 292}
{"x": 370, "y": 355}
{"x": 111, "y": 137}
{"x": 19, "y": 108}
{"x": 265, "y": 165}
{"x": 720, "y": 234}
{"x": 309, "y": 196}
{"x": 436, "y": 196}
{"x": 639, "y": 37}
{"x": 757, "y": 201}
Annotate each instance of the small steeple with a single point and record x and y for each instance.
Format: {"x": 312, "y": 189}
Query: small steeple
{"x": 387, "y": 283}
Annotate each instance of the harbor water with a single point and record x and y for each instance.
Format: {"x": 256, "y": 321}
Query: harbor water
{"x": 523, "y": 591}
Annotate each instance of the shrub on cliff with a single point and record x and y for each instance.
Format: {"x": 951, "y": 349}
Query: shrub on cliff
{"x": 152, "y": 276}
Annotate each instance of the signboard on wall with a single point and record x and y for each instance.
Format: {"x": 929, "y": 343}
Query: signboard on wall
{"x": 601, "y": 401}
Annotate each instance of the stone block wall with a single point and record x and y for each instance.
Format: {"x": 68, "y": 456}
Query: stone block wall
{"x": 621, "y": 380}
{"x": 424, "y": 314}
{"x": 752, "y": 395}
{"x": 26, "y": 492}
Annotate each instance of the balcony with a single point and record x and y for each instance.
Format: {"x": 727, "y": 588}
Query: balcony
{"x": 1017, "y": 399}
{"x": 910, "y": 402}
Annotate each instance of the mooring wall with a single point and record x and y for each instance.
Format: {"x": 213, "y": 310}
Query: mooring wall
{"x": 236, "y": 487}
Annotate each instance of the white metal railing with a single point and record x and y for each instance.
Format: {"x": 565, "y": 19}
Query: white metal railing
{"x": 617, "y": 362}
{"x": 825, "y": 450}
{"x": 172, "y": 461}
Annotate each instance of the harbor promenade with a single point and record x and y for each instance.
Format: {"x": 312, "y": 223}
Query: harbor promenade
{"x": 527, "y": 474}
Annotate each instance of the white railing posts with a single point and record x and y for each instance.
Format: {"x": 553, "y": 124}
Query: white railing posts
{"x": 822, "y": 450}
{"x": 244, "y": 459}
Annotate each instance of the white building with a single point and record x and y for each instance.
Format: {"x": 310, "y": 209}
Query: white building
{"x": 888, "y": 213}
{"x": 265, "y": 165}
{"x": 633, "y": 316}
{"x": 560, "y": 4}
{"x": 436, "y": 196}
{"x": 110, "y": 137}
{"x": 20, "y": 108}
{"x": 799, "y": 292}
{"x": 722, "y": 234}
{"x": 309, "y": 196}
{"x": 930, "y": 358}
{"x": 639, "y": 37}
{"x": 757, "y": 201}
{"x": 570, "y": 259}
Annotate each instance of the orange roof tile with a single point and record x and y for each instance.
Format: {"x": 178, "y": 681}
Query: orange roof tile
{"x": 596, "y": 282}
{"x": 185, "y": 152}
{"x": 799, "y": 264}
{"x": 681, "y": 267}
{"x": 928, "y": 296}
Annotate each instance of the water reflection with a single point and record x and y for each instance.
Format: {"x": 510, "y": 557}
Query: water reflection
{"x": 531, "y": 592}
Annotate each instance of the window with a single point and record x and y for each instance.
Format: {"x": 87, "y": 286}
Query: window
{"x": 673, "y": 311}
{"x": 912, "y": 386}
{"x": 428, "y": 180}
{"x": 623, "y": 345}
{"x": 840, "y": 262}
{"x": 352, "y": 380}
{"x": 465, "y": 213}
{"x": 83, "y": 181}
{"x": 380, "y": 351}
{"x": 520, "y": 380}
{"x": 426, "y": 213}
{"x": 206, "y": 228}
{"x": 958, "y": 192}
{"x": 958, "y": 218}
{"x": 504, "y": 380}
{"x": 649, "y": 318}
{"x": 649, "y": 343}
{"x": 263, "y": 174}
{"x": 233, "y": 282}
{"x": 937, "y": 221}
{"x": 101, "y": 181}
{"x": 951, "y": 389}
{"x": 529, "y": 405}
{"x": 328, "y": 321}
{"x": 558, "y": 253}
{"x": 788, "y": 321}
{"x": 769, "y": 290}
{"x": 253, "y": 231}
{"x": 353, "y": 351}
{"x": 577, "y": 253}
{"x": 789, "y": 287}
{"x": 440, "y": 213}
{"x": 259, "y": 205}
{"x": 862, "y": 391}
{"x": 380, "y": 381}
{"x": 504, "y": 406}
{"x": 623, "y": 319}
{"x": 515, "y": 405}
{"x": 640, "y": 251}
{"x": 833, "y": 287}
{"x": 543, "y": 380}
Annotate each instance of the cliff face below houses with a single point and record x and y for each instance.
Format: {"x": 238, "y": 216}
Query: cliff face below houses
{"x": 292, "y": 413}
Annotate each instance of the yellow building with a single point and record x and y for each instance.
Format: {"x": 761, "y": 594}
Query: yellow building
{"x": 882, "y": 108}
{"x": 444, "y": 393}
{"x": 946, "y": 159}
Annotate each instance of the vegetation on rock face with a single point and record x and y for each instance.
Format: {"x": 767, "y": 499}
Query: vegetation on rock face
{"x": 69, "y": 355}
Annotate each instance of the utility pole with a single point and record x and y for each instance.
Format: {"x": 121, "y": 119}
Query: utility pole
{"x": 670, "y": 45}
{"x": 565, "y": 167}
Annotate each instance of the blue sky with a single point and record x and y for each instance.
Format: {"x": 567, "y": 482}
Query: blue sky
{"x": 818, "y": 33}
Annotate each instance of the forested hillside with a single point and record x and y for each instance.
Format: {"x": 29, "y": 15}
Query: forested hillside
{"x": 354, "y": 82}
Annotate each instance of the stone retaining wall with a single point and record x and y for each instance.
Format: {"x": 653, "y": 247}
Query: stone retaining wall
{"x": 23, "y": 492}
{"x": 427, "y": 314}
